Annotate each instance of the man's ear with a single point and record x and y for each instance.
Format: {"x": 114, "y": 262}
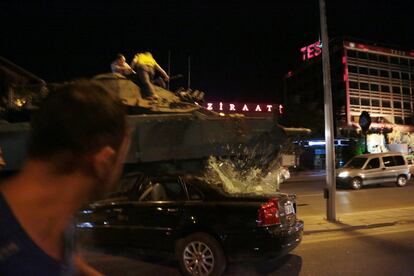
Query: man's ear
{"x": 103, "y": 161}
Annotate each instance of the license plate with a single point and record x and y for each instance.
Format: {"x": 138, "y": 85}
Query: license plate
{"x": 289, "y": 208}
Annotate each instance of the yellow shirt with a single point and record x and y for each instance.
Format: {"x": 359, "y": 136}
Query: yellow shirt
{"x": 145, "y": 59}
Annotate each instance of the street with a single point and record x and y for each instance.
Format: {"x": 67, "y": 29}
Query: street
{"x": 377, "y": 249}
{"x": 309, "y": 191}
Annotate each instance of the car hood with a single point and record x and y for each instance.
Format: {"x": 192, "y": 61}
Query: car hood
{"x": 348, "y": 170}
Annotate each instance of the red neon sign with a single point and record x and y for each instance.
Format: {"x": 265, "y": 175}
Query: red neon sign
{"x": 311, "y": 51}
{"x": 243, "y": 107}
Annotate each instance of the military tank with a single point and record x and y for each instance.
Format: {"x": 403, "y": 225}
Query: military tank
{"x": 174, "y": 130}
{"x": 178, "y": 131}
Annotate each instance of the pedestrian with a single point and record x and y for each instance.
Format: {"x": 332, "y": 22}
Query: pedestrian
{"x": 77, "y": 146}
{"x": 146, "y": 67}
{"x": 120, "y": 66}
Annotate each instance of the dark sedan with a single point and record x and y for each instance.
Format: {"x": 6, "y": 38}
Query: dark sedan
{"x": 197, "y": 221}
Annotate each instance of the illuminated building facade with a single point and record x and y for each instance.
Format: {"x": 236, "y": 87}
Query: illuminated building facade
{"x": 365, "y": 77}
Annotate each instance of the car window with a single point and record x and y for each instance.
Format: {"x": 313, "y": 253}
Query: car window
{"x": 399, "y": 160}
{"x": 373, "y": 164}
{"x": 165, "y": 190}
{"x": 125, "y": 186}
{"x": 388, "y": 161}
{"x": 194, "y": 193}
{"x": 356, "y": 163}
{"x": 175, "y": 190}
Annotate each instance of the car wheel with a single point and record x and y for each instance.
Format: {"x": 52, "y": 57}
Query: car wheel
{"x": 356, "y": 183}
{"x": 200, "y": 254}
{"x": 401, "y": 180}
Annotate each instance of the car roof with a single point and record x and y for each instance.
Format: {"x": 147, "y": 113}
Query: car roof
{"x": 370, "y": 155}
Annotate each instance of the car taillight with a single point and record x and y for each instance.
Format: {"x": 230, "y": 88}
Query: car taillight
{"x": 268, "y": 213}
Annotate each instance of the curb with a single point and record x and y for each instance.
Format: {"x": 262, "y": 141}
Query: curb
{"x": 352, "y": 228}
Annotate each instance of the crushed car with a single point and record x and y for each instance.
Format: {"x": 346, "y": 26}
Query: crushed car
{"x": 195, "y": 220}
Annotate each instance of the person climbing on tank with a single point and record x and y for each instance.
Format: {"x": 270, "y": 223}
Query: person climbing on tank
{"x": 120, "y": 66}
{"x": 146, "y": 67}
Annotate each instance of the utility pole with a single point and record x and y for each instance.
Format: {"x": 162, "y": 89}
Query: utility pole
{"x": 329, "y": 133}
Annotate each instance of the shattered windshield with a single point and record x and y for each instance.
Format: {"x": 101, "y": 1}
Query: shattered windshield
{"x": 223, "y": 174}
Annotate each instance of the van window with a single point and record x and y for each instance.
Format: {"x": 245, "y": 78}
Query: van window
{"x": 399, "y": 160}
{"x": 388, "y": 161}
{"x": 396, "y": 160}
{"x": 373, "y": 164}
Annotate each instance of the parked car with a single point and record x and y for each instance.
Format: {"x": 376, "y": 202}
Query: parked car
{"x": 201, "y": 224}
{"x": 377, "y": 168}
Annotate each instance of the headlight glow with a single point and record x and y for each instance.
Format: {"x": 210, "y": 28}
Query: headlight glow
{"x": 343, "y": 174}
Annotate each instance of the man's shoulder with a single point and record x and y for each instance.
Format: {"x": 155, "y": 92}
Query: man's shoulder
{"x": 19, "y": 255}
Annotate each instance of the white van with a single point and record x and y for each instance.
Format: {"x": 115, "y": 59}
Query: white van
{"x": 376, "y": 168}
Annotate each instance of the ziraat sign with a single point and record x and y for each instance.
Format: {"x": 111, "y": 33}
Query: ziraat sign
{"x": 311, "y": 51}
{"x": 229, "y": 107}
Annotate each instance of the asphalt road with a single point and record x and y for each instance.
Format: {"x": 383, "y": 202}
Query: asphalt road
{"x": 382, "y": 251}
{"x": 310, "y": 199}
{"x": 374, "y": 251}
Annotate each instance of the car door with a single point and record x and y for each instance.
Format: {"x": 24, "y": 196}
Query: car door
{"x": 373, "y": 172}
{"x": 393, "y": 166}
{"x": 109, "y": 217}
{"x": 155, "y": 214}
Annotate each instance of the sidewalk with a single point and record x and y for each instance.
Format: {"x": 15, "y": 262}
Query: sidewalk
{"x": 359, "y": 220}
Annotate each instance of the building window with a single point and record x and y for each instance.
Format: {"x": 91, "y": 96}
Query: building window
{"x": 363, "y": 70}
{"x": 351, "y": 53}
{"x": 375, "y": 102}
{"x": 352, "y": 69}
{"x": 407, "y": 105}
{"x": 397, "y": 104}
{"x": 386, "y": 103}
{"x": 405, "y": 76}
{"x": 406, "y": 90}
{"x": 373, "y": 72}
{"x": 403, "y": 61}
{"x": 374, "y": 87}
{"x": 398, "y": 120}
{"x": 363, "y": 86}
{"x": 354, "y": 101}
{"x": 365, "y": 102}
{"x": 385, "y": 88}
{"x": 394, "y": 60}
{"x": 353, "y": 84}
{"x": 408, "y": 120}
{"x": 396, "y": 90}
{"x": 362, "y": 55}
{"x": 385, "y": 74}
{"x": 372, "y": 56}
{"x": 395, "y": 75}
{"x": 383, "y": 58}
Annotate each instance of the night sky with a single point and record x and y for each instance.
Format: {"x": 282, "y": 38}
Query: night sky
{"x": 239, "y": 52}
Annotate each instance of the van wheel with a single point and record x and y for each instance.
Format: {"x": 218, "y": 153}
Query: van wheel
{"x": 356, "y": 183}
{"x": 401, "y": 180}
{"x": 200, "y": 254}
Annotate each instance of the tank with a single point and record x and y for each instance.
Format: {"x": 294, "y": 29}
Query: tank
{"x": 174, "y": 130}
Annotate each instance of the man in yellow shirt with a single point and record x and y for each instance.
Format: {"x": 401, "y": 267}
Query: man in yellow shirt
{"x": 145, "y": 66}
